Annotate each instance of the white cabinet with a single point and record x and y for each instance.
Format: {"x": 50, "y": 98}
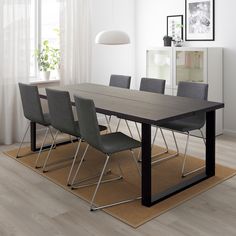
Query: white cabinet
{"x": 201, "y": 65}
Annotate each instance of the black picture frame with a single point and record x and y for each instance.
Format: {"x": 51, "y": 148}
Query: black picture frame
{"x": 209, "y": 11}
{"x": 180, "y": 20}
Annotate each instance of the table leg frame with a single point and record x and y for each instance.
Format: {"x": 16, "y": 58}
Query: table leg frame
{"x": 149, "y": 199}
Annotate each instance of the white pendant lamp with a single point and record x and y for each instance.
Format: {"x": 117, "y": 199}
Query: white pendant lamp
{"x": 112, "y": 37}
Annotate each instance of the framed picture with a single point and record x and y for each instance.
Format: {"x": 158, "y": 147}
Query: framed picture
{"x": 175, "y": 26}
{"x": 200, "y": 20}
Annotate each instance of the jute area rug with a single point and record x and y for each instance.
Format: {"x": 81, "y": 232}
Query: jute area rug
{"x": 134, "y": 214}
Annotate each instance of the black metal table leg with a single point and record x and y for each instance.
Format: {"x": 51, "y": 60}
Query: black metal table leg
{"x": 33, "y": 136}
{"x": 146, "y": 166}
{"x": 149, "y": 199}
{"x": 210, "y": 143}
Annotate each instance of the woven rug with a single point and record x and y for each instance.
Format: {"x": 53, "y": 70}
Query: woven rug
{"x": 134, "y": 214}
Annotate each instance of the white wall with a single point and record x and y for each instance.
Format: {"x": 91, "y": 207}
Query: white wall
{"x": 112, "y": 59}
{"x": 151, "y": 27}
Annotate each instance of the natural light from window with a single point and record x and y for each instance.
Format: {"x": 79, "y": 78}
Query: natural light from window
{"x": 44, "y": 26}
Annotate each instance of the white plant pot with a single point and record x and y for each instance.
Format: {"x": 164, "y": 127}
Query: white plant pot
{"x": 46, "y": 75}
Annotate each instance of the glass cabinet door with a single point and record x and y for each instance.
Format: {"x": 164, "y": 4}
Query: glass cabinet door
{"x": 190, "y": 66}
{"x": 159, "y": 65}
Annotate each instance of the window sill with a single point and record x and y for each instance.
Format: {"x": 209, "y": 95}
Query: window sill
{"x": 51, "y": 81}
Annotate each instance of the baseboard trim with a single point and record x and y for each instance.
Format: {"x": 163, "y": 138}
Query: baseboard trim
{"x": 230, "y": 132}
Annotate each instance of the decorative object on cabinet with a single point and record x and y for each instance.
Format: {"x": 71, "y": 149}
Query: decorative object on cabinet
{"x": 175, "y": 27}
{"x": 200, "y": 65}
{"x": 178, "y": 42}
{"x": 199, "y": 20}
{"x": 167, "y": 41}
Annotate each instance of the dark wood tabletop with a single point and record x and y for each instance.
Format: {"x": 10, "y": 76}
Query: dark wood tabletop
{"x": 143, "y": 107}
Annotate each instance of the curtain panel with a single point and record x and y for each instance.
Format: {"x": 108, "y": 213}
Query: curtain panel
{"x": 75, "y": 41}
{"x": 14, "y": 66}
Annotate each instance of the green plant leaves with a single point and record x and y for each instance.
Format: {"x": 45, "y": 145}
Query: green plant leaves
{"x": 48, "y": 58}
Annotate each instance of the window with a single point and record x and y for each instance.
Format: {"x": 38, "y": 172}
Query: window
{"x": 44, "y": 25}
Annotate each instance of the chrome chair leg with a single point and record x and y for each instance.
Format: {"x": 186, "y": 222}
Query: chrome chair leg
{"x": 80, "y": 164}
{"x": 78, "y": 184}
{"x": 118, "y": 125}
{"x": 121, "y": 172}
{"x": 139, "y": 135}
{"x": 73, "y": 163}
{"x": 155, "y": 136}
{"x": 99, "y": 182}
{"x": 41, "y": 148}
{"x": 176, "y": 144}
{"x": 185, "y": 152}
{"x": 131, "y": 135}
{"x": 108, "y": 123}
{"x": 169, "y": 156}
{"x": 204, "y": 140}
{"x": 50, "y": 130}
{"x": 92, "y": 206}
{"x": 52, "y": 137}
{"x": 136, "y": 162}
{"x": 163, "y": 136}
{"x": 185, "y": 157}
{"x": 49, "y": 153}
{"x": 72, "y": 142}
{"x": 23, "y": 139}
{"x": 127, "y": 124}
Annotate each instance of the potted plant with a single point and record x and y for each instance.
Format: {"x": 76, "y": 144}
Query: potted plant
{"x": 48, "y": 59}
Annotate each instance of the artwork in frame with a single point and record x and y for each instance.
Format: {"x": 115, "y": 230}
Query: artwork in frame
{"x": 175, "y": 26}
{"x": 199, "y": 20}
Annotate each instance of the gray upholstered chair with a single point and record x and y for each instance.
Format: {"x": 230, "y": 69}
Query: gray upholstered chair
{"x": 33, "y": 112}
{"x": 186, "y": 125}
{"x": 119, "y": 81}
{"x": 62, "y": 119}
{"x": 108, "y": 144}
{"x": 153, "y": 86}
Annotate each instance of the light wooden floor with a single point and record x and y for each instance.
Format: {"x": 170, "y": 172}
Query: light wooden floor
{"x": 31, "y": 205}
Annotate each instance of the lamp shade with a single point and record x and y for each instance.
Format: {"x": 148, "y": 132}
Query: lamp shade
{"x": 112, "y": 37}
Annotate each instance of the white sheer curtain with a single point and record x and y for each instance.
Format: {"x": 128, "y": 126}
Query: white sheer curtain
{"x": 14, "y": 66}
{"x": 75, "y": 37}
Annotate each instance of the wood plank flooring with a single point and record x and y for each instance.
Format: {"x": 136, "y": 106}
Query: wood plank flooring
{"x": 33, "y": 206}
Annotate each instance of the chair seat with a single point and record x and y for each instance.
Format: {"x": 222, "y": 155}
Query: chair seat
{"x": 184, "y": 125}
{"x": 117, "y": 142}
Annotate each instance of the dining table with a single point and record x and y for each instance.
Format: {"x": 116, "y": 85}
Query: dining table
{"x": 148, "y": 109}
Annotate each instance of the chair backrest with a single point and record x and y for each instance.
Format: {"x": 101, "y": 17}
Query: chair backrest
{"x": 193, "y": 90}
{"x": 60, "y": 110}
{"x": 31, "y": 103}
{"x": 121, "y": 81}
{"x": 152, "y": 85}
{"x": 88, "y": 122}
{"x": 196, "y": 91}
